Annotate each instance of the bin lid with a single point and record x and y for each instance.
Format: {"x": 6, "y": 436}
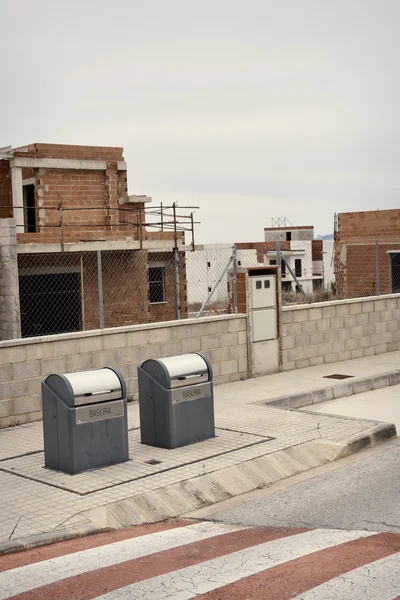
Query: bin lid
{"x": 169, "y": 371}
{"x": 86, "y": 387}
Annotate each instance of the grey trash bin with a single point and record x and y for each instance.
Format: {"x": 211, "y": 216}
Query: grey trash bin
{"x": 176, "y": 401}
{"x": 84, "y": 420}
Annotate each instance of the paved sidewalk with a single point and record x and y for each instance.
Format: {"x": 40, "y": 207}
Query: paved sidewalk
{"x": 36, "y": 500}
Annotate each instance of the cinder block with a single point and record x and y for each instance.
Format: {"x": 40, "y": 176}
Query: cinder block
{"x": 161, "y": 335}
{"x": 314, "y": 314}
{"x": 391, "y": 303}
{"x": 343, "y": 334}
{"x": 181, "y": 332}
{"x": 294, "y": 329}
{"x": 324, "y": 349}
{"x": 287, "y": 316}
{"x": 53, "y": 365}
{"x": 6, "y": 409}
{"x": 12, "y": 389}
{"x": 105, "y": 358}
{"x": 191, "y": 345}
{"x": 80, "y": 362}
{"x": 342, "y": 310}
{"x": 370, "y": 351}
{"x": 351, "y": 344}
{"x": 236, "y": 352}
{"x": 288, "y": 343}
{"x": 299, "y": 316}
{"x": 357, "y": 332}
{"x": 369, "y": 329}
{"x": 318, "y": 360}
{"x": 331, "y": 335}
{"x": 346, "y": 355}
{"x": 331, "y": 358}
{"x": 295, "y": 354}
{"x": 338, "y": 347}
{"x": 381, "y": 348}
{"x": 171, "y": 348}
{"x": 328, "y": 312}
{"x": 376, "y": 339}
{"x": 229, "y": 339}
{"x": 237, "y": 325}
{"x": 199, "y": 329}
{"x": 216, "y": 369}
{"x": 309, "y": 327}
{"x": 367, "y": 306}
{"x": 393, "y": 325}
{"x": 137, "y": 338}
{"x": 381, "y": 327}
{"x": 242, "y": 337}
{"x": 317, "y": 338}
{"x": 302, "y": 340}
{"x": 12, "y": 354}
{"x": 374, "y": 317}
{"x": 396, "y": 336}
{"x": 339, "y": 322}
{"x": 324, "y": 324}
{"x": 65, "y": 347}
{"x": 386, "y": 315}
{"x": 393, "y": 346}
{"x": 355, "y": 308}
{"x": 364, "y": 342}
{"x": 350, "y": 321}
{"x": 359, "y": 353}
{"x": 27, "y": 404}
{"x": 288, "y": 366}
{"x": 218, "y": 327}
{"x": 41, "y": 350}
{"x": 362, "y": 319}
{"x": 380, "y": 305}
{"x": 302, "y": 364}
{"x": 6, "y": 373}
{"x": 90, "y": 344}
{"x": 24, "y": 370}
{"x": 126, "y": 355}
{"x": 243, "y": 365}
{"x": 230, "y": 366}
{"x": 210, "y": 341}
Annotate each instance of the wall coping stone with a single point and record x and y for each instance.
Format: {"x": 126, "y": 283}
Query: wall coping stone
{"x": 338, "y": 302}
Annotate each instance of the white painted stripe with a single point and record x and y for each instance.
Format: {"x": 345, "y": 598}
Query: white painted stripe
{"x": 29, "y": 577}
{"x": 186, "y": 584}
{"x": 379, "y": 579}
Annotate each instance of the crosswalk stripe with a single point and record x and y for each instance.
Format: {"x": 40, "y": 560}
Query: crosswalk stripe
{"x": 94, "y": 583}
{"x": 187, "y": 583}
{"x": 32, "y": 576}
{"x": 303, "y": 574}
{"x": 379, "y": 579}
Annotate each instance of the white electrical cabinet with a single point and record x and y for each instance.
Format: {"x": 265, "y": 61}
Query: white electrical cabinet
{"x": 262, "y": 304}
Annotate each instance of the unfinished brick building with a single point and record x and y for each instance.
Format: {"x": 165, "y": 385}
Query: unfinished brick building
{"x": 362, "y": 266}
{"x": 68, "y": 226}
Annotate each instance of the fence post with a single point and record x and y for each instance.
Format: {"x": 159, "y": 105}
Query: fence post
{"x": 100, "y": 288}
{"x": 176, "y": 284}
{"x": 377, "y": 267}
{"x": 235, "y": 280}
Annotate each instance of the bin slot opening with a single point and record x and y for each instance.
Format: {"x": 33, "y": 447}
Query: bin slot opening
{"x": 99, "y": 393}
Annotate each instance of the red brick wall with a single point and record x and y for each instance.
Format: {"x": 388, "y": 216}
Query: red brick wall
{"x": 382, "y": 225}
{"x": 5, "y": 190}
{"x": 72, "y": 152}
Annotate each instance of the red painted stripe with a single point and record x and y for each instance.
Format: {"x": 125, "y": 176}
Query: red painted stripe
{"x": 27, "y": 557}
{"x": 95, "y": 583}
{"x": 302, "y": 574}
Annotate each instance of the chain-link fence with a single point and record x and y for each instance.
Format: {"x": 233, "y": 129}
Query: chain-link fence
{"x": 75, "y": 291}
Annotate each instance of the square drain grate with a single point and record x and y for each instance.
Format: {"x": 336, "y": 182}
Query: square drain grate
{"x": 337, "y": 376}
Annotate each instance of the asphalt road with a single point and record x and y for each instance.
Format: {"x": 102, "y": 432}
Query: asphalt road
{"x": 362, "y": 495}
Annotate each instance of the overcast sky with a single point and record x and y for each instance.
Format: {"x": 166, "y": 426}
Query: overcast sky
{"x": 250, "y": 110}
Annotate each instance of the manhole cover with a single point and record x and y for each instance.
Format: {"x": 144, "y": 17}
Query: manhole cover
{"x": 337, "y": 376}
{"x": 153, "y": 461}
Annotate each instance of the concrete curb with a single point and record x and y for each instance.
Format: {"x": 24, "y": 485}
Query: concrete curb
{"x": 351, "y": 387}
{"x": 204, "y": 490}
{"x": 49, "y": 537}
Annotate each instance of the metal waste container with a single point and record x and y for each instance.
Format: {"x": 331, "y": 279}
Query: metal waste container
{"x": 176, "y": 401}
{"x": 84, "y": 420}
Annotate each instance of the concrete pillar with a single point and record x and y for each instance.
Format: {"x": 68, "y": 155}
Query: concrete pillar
{"x": 17, "y": 198}
{"x": 10, "y": 321}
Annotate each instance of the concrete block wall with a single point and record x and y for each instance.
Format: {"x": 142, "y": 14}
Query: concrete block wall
{"x": 24, "y": 363}
{"x": 334, "y": 331}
